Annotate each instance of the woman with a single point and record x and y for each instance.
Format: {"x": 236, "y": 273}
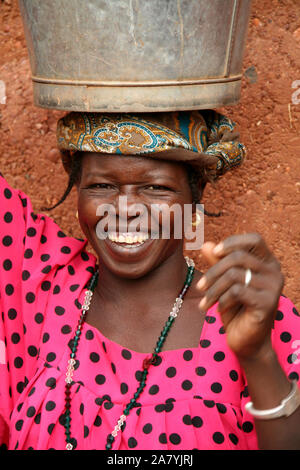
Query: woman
{"x": 93, "y": 358}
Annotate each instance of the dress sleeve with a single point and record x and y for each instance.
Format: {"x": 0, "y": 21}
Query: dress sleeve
{"x": 286, "y": 344}
{"x": 32, "y": 249}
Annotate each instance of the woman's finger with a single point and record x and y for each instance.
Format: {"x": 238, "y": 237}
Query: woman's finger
{"x": 234, "y": 275}
{"x": 249, "y": 242}
{"x": 237, "y": 259}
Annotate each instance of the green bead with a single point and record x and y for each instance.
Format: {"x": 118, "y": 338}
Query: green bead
{"x": 126, "y": 412}
{"x": 108, "y": 446}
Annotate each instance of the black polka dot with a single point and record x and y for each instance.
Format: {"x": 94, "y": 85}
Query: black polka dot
{"x": 32, "y": 351}
{"x": 51, "y": 357}
{"x": 171, "y": 372}
{"x": 89, "y": 334}
{"x": 132, "y": 443}
{"x": 124, "y": 388}
{"x": 65, "y": 249}
{"x": 45, "y": 286}
{"x": 7, "y": 264}
{"x": 197, "y": 422}
{"x": 216, "y": 387}
{"x": 154, "y": 389}
{"x": 233, "y": 375}
{"x": 160, "y": 408}
{"x": 31, "y": 232}
{"x": 39, "y": 318}
{"x": 163, "y": 438}
{"x": 30, "y": 297}
{"x": 9, "y": 289}
{"x": 15, "y": 338}
{"x": 147, "y": 428}
{"x": 175, "y": 438}
{"x": 19, "y": 424}
{"x": 50, "y": 428}
{"x": 56, "y": 290}
{"x": 219, "y": 356}
{"x": 200, "y": 371}
{"x": 66, "y": 329}
{"x": 12, "y": 314}
{"x": 71, "y": 270}
{"x": 25, "y": 275}
{"x": 279, "y": 315}
{"x": 221, "y": 408}
{"x": 126, "y": 354}
{"x": 7, "y": 193}
{"x": 285, "y": 337}
{"x": 234, "y": 439}
{"x": 295, "y": 311}
{"x": 187, "y": 420}
{"x": 210, "y": 319}
{"x": 209, "y": 403}
{"x": 61, "y": 234}
{"x": 100, "y": 379}
{"x": 204, "y": 343}
{"x": 94, "y": 357}
{"x": 18, "y": 362}
{"x": 86, "y": 431}
{"x": 28, "y": 253}
{"x": 74, "y": 287}
{"x": 59, "y": 310}
{"x": 247, "y": 426}
{"x": 188, "y": 355}
{"x": 98, "y": 421}
{"x": 51, "y": 382}
{"x": 218, "y": 438}
{"x": 50, "y": 405}
{"x": 31, "y": 412}
{"x": 7, "y": 240}
{"x": 186, "y": 385}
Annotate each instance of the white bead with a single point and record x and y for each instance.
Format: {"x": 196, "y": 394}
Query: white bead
{"x": 114, "y": 433}
{"x": 69, "y": 446}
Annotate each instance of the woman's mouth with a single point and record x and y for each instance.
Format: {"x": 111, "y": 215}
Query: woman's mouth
{"x": 128, "y": 240}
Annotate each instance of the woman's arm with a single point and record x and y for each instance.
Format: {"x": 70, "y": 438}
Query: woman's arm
{"x": 248, "y": 311}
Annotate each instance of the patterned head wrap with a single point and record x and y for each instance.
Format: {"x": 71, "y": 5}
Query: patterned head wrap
{"x": 200, "y": 139}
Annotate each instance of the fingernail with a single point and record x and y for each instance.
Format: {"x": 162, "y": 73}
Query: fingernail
{"x": 218, "y": 249}
{"x": 202, "y": 282}
{"x": 203, "y": 303}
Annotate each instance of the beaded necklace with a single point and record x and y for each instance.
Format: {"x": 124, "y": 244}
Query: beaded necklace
{"x": 146, "y": 364}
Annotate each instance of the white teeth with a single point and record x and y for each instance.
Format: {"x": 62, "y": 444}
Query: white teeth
{"x": 127, "y": 238}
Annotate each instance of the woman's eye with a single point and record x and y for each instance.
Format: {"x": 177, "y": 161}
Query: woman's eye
{"x": 158, "y": 187}
{"x": 101, "y": 186}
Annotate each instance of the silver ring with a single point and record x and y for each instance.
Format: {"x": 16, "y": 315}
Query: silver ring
{"x": 248, "y": 277}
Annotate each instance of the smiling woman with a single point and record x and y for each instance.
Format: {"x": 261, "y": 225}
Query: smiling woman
{"x": 136, "y": 348}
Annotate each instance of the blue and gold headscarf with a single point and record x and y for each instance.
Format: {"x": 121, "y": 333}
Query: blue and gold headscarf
{"x": 204, "y": 138}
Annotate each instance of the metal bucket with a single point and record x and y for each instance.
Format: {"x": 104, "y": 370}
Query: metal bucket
{"x": 135, "y": 55}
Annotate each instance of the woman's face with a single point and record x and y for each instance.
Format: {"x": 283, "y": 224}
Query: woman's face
{"x": 132, "y": 240}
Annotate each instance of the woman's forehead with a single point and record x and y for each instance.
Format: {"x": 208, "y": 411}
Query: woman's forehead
{"x": 120, "y": 164}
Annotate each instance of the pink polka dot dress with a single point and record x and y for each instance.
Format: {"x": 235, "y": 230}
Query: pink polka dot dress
{"x": 194, "y": 398}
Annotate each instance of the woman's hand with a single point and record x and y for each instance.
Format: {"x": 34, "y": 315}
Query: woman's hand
{"x": 247, "y": 311}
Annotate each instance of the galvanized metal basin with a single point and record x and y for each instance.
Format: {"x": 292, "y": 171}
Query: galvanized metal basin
{"x": 135, "y": 55}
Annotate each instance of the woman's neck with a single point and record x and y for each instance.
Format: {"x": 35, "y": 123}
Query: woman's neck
{"x": 167, "y": 278}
